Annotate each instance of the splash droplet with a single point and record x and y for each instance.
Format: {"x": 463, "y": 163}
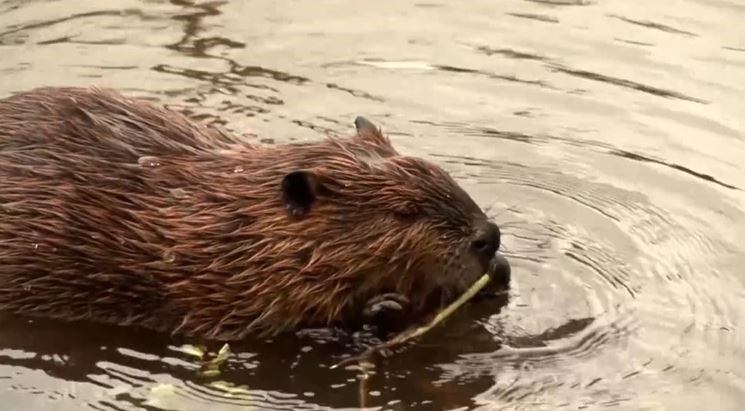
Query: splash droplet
{"x": 238, "y": 169}
{"x": 148, "y": 161}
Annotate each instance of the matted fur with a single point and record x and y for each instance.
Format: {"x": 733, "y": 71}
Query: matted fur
{"x": 114, "y": 210}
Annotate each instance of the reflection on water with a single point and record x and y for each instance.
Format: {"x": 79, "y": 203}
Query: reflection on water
{"x": 606, "y": 137}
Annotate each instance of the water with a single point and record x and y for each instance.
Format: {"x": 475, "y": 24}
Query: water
{"x": 607, "y": 137}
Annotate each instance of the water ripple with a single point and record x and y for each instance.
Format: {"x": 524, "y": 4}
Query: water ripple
{"x": 655, "y": 26}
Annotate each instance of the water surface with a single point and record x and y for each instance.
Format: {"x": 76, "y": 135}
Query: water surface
{"x": 607, "y": 137}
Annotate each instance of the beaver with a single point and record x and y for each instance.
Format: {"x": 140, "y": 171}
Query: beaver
{"x": 116, "y": 210}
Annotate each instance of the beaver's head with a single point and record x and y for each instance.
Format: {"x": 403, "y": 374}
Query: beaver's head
{"x": 379, "y": 221}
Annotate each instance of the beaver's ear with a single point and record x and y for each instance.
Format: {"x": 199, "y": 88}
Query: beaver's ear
{"x": 367, "y": 131}
{"x": 365, "y": 128}
{"x": 300, "y": 191}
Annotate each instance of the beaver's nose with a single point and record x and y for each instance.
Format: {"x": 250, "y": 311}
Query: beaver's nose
{"x": 486, "y": 241}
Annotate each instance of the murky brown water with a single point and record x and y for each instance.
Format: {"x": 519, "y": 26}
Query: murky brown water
{"x": 608, "y": 137}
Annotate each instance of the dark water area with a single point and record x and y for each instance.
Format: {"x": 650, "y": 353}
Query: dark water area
{"x": 606, "y": 137}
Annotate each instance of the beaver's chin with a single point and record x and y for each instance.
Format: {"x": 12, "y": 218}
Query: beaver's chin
{"x": 500, "y": 272}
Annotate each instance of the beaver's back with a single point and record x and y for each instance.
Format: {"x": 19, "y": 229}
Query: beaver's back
{"x": 101, "y": 124}
{"x": 88, "y": 183}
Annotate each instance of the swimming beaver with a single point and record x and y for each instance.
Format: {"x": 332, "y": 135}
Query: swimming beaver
{"x": 117, "y": 211}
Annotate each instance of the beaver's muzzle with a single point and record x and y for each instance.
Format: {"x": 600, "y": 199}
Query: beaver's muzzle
{"x": 500, "y": 272}
{"x": 485, "y": 244}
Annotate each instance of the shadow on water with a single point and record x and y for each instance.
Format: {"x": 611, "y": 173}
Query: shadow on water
{"x": 100, "y": 354}
{"x": 132, "y": 363}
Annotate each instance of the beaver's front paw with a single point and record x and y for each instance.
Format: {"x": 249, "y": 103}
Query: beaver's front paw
{"x": 384, "y": 304}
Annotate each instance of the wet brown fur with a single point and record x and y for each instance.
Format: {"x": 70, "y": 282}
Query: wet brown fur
{"x": 114, "y": 210}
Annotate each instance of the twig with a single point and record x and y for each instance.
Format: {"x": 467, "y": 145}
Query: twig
{"x": 416, "y": 332}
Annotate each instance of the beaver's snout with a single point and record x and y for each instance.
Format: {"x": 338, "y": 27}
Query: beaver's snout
{"x": 485, "y": 242}
{"x": 500, "y": 272}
